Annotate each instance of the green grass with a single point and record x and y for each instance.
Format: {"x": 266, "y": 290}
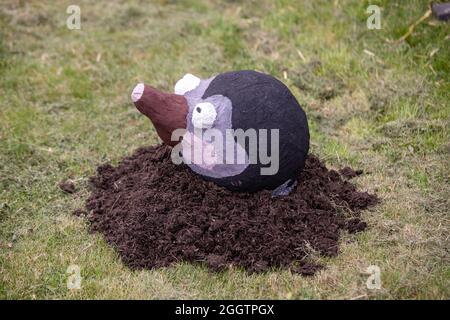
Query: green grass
{"x": 65, "y": 108}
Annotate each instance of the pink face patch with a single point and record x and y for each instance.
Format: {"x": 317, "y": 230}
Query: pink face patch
{"x": 199, "y": 152}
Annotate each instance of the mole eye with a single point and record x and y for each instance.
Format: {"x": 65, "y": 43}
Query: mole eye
{"x": 204, "y": 115}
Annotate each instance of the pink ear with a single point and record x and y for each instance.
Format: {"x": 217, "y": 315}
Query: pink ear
{"x": 187, "y": 83}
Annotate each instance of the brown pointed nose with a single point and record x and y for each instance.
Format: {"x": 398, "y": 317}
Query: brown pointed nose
{"x": 166, "y": 111}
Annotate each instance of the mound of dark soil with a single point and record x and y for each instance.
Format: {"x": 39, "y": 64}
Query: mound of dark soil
{"x": 156, "y": 213}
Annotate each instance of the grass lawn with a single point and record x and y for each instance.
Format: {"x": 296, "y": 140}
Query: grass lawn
{"x": 375, "y": 105}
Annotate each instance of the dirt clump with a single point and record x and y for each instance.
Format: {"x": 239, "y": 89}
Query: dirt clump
{"x": 67, "y": 186}
{"x": 348, "y": 173}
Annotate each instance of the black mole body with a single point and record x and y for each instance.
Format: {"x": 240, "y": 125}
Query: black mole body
{"x": 260, "y": 101}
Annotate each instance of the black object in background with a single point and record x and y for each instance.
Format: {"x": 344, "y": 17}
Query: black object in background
{"x": 441, "y": 10}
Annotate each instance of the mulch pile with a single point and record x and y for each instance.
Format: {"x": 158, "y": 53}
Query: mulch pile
{"x": 156, "y": 213}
